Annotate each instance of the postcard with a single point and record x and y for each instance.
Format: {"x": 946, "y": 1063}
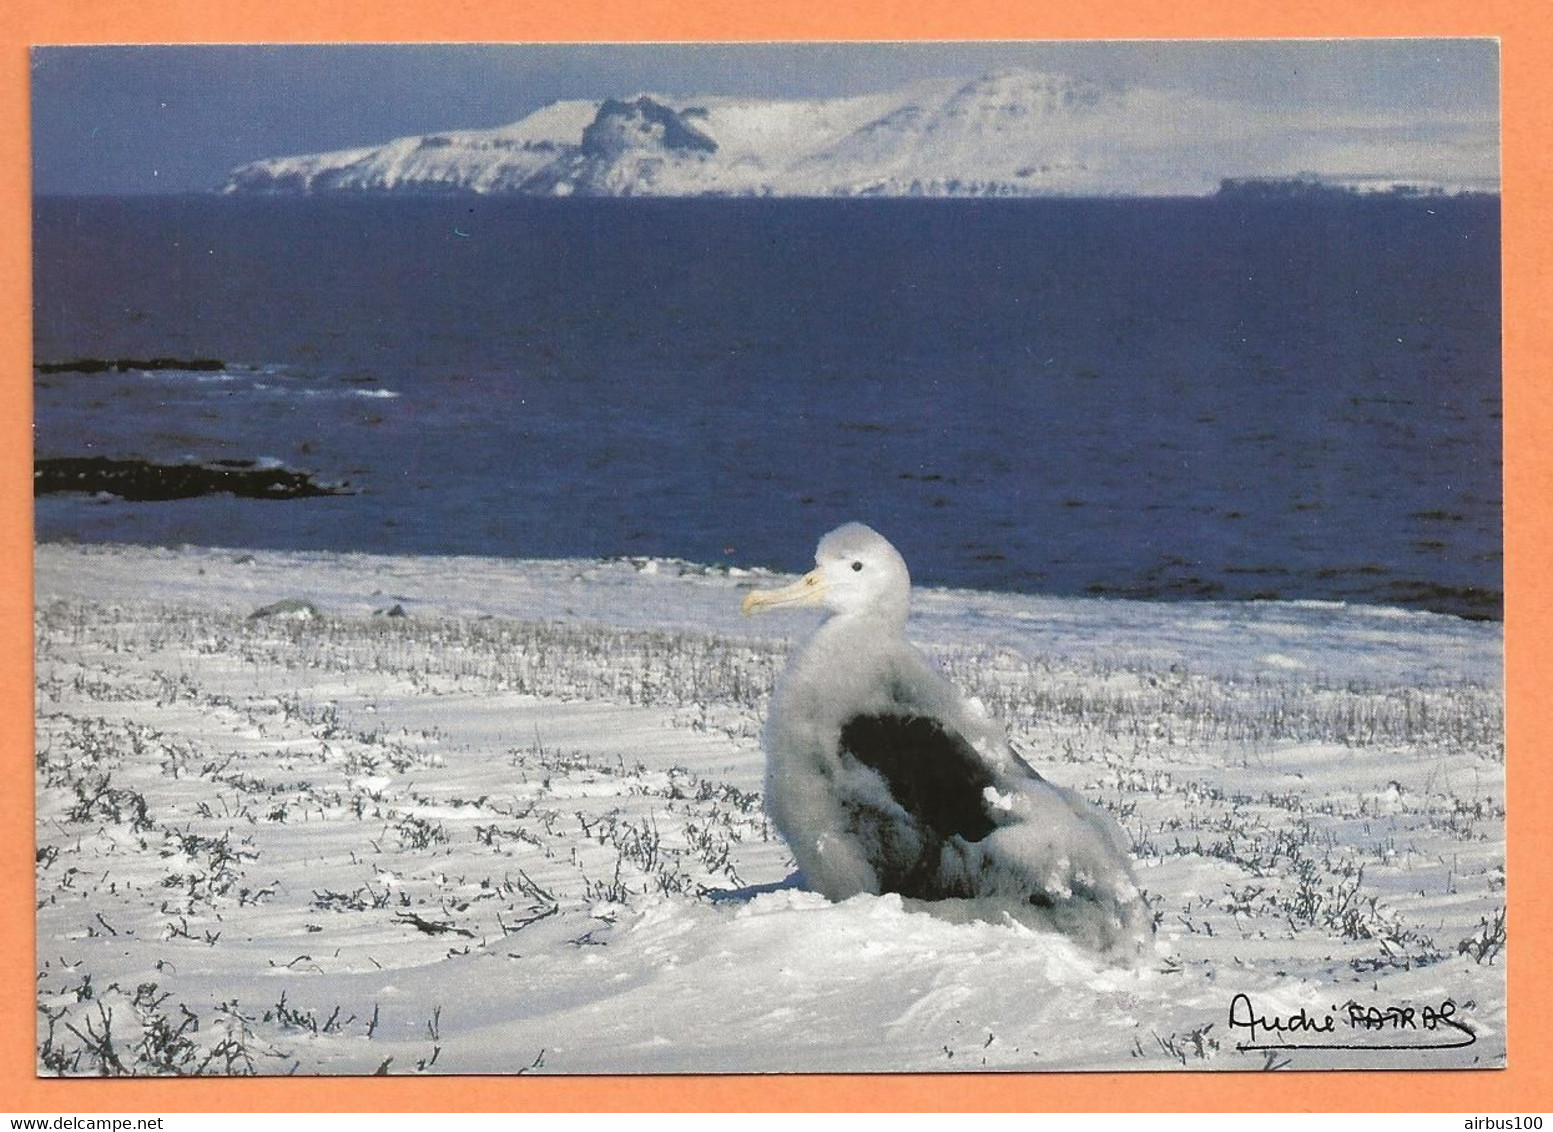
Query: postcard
{"x": 768, "y": 558}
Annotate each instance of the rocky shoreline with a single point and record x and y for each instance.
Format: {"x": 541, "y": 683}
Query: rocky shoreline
{"x": 141, "y": 480}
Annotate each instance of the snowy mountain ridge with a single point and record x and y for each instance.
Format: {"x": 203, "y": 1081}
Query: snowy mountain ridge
{"x": 1008, "y": 133}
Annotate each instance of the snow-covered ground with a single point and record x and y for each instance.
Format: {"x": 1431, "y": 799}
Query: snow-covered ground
{"x": 472, "y": 815}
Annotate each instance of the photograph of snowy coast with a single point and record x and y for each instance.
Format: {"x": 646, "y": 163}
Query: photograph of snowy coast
{"x": 396, "y": 501}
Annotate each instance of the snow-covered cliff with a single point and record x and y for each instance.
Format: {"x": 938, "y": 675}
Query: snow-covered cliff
{"x": 1011, "y": 133}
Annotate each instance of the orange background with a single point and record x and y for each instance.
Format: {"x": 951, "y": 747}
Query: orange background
{"x": 1523, "y": 28}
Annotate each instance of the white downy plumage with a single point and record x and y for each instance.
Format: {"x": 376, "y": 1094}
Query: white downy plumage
{"x": 883, "y": 778}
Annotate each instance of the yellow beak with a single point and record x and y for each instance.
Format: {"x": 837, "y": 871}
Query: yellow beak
{"x": 807, "y": 590}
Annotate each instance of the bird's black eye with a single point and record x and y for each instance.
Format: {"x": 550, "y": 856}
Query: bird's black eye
{"x": 857, "y": 565}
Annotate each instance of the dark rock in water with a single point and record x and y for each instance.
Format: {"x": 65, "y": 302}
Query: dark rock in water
{"x": 1472, "y": 603}
{"x": 288, "y": 609}
{"x": 124, "y": 365}
{"x": 396, "y": 610}
{"x": 140, "y": 481}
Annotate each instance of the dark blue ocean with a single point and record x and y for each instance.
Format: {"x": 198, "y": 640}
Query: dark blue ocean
{"x": 1168, "y": 399}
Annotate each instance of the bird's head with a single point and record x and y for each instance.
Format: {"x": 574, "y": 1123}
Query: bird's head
{"x": 856, "y": 571}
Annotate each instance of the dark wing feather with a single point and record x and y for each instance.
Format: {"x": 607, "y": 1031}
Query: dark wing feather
{"x": 932, "y": 771}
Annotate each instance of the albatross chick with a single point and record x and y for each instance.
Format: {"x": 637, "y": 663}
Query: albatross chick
{"x": 883, "y": 778}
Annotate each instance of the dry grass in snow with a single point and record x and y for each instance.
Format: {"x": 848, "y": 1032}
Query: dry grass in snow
{"x": 459, "y": 842}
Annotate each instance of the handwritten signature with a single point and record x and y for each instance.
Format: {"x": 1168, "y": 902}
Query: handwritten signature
{"x": 1398, "y": 1027}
